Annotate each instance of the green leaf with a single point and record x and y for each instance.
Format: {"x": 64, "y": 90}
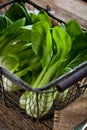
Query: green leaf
{"x": 63, "y": 43}
{"x": 42, "y": 41}
{"x": 8, "y": 35}
{"x": 73, "y": 28}
{"x": 16, "y": 12}
{"x": 33, "y": 17}
{"x": 9, "y": 62}
{"x": 62, "y": 40}
{"x": 43, "y": 16}
{"x": 4, "y": 22}
{"x": 78, "y": 53}
{"x": 13, "y": 28}
{"x": 24, "y": 34}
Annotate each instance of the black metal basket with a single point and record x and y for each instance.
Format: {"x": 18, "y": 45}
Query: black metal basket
{"x": 40, "y": 105}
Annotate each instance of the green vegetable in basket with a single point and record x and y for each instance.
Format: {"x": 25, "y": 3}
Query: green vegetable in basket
{"x": 11, "y": 55}
{"x": 7, "y": 35}
{"x": 64, "y": 58}
{"x": 10, "y": 62}
{"x": 41, "y": 16}
{"x": 4, "y": 22}
{"x": 38, "y": 53}
{"x": 51, "y": 61}
{"x": 16, "y": 12}
{"x": 13, "y": 14}
{"x": 20, "y": 47}
{"x": 78, "y": 53}
{"x": 73, "y": 29}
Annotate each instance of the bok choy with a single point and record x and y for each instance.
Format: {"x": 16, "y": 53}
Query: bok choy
{"x": 38, "y": 53}
{"x": 50, "y": 61}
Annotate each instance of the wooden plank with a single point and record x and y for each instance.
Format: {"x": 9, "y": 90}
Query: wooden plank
{"x": 67, "y": 10}
{"x": 74, "y": 7}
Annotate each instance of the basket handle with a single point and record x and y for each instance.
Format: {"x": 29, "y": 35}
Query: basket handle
{"x": 72, "y": 77}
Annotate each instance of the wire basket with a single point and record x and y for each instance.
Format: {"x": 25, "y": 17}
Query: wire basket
{"x": 40, "y": 105}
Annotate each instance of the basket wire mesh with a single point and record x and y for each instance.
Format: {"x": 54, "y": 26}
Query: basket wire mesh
{"x": 71, "y": 91}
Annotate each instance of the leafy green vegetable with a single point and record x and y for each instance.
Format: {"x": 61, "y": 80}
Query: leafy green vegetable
{"x": 62, "y": 40}
{"x": 68, "y": 54}
{"x": 38, "y": 53}
{"x": 16, "y": 12}
{"x": 24, "y": 34}
{"x": 63, "y": 43}
{"x": 73, "y": 28}
{"x": 41, "y": 16}
{"x": 4, "y": 22}
{"x": 42, "y": 46}
{"x": 78, "y": 53}
{"x": 9, "y": 62}
{"x": 7, "y": 35}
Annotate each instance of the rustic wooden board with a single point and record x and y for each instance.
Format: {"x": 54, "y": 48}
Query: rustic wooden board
{"x": 67, "y": 9}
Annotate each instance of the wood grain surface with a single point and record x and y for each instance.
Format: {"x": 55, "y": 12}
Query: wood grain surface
{"x": 67, "y": 9}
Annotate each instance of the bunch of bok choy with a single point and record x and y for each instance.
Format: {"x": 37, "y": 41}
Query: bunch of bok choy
{"x": 38, "y": 53}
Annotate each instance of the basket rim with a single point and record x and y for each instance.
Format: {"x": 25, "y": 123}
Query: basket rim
{"x": 80, "y": 70}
